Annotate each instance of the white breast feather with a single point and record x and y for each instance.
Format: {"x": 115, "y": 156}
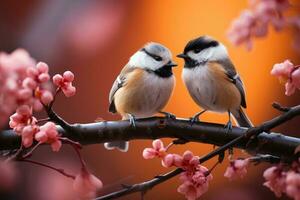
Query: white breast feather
{"x": 201, "y": 86}
{"x": 157, "y": 91}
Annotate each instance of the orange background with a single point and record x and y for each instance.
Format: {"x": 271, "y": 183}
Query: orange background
{"x": 96, "y": 55}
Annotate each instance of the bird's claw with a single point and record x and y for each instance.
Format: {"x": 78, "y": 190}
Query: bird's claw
{"x": 194, "y": 120}
{"x": 132, "y": 120}
{"x": 228, "y": 127}
{"x": 168, "y": 115}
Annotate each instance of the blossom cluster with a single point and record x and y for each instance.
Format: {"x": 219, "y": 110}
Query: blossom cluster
{"x": 195, "y": 177}
{"x": 289, "y": 74}
{"x": 254, "y": 22}
{"x": 13, "y": 70}
{"x": 25, "y": 87}
{"x": 280, "y": 181}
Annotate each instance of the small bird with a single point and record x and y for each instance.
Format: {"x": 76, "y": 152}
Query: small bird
{"x": 213, "y": 81}
{"x": 143, "y": 87}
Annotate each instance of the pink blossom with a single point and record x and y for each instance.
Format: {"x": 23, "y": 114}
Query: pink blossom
{"x": 195, "y": 177}
{"x": 168, "y": 160}
{"x": 275, "y": 180}
{"x": 37, "y": 76}
{"x": 242, "y": 28}
{"x": 194, "y": 184}
{"x": 21, "y": 118}
{"x": 65, "y": 83}
{"x": 27, "y": 134}
{"x": 283, "y": 70}
{"x": 254, "y": 22}
{"x": 13, "y": 69}
{"x": 29, "y": 83}
{"x": 188, "y": 161}
{"x": 293, "y": 185}
{"x": 288, "y": 74}
{"x": 46, "y": 97}
{"x": 236, "y": 168}
{"x": 48, "y": 134}
{"x": 86, "y": 185}
{"x": 24, "y": 124}
{"x": 39, "y": 73}
{"x": 158, "y": 150}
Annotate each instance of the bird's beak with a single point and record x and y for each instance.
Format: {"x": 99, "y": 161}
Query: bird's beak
{"x": 171, "y": 64}
{"x": 182, "y": 55}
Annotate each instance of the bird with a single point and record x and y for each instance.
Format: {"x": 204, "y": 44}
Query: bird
{"x": 143, "y": 87}
{"x": 212, "y": 80}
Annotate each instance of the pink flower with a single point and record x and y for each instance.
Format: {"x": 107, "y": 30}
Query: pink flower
{"x": 158, "y": 150}
{"x": 12, "y": 72}
{"x": 288, "y": 74}
{"x": 283, "y": 70}
{"x": 65, "y": 83}
{"x": 40, "y": 73}
{"x": 21, "y": 118}
{"x": 24, "y": 124}
{"x": 254, "y": 22}
{"x": 46, "y": 97}
{"x": 275, "y": 180}
{"x": 48, "y": 134}
{"x": 293, "y": 185}
{"x": 168, "y": 160}
{"x": 86, "y": 185}
{"x": 242, "y": 28}
{"x": 188, "y": 161}
{"x": 27, "y": 134}
{"x": 236, "y": 168}
{"x": 43, "y": 95}
{"x": 196, "y": 184}
{"x": 35, "y": 83}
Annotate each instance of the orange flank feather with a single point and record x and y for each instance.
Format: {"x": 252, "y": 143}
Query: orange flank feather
{"x": 127, "y": 98}
{"x": 228, "y": 94}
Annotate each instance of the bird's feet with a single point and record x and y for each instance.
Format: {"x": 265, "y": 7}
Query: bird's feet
{"x": 168, "y": 115}
{"x": 132, "y": 120}
{"x": 195, "y": 118}
{"x": 228, "y": 126}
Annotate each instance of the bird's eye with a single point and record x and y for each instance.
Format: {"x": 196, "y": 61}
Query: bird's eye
{"x": 157, "y": 58}
{"x": 196, "y": 50}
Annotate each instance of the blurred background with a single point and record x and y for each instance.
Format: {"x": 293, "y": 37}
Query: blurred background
{"x": 95, "y": 39}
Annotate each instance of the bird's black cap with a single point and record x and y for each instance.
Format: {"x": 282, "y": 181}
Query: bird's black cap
{"x": 200, "y": 43}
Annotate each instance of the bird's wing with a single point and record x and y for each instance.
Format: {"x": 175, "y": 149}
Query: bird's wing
{"x": 235, "y": 79}
{"x": 118, "y": 83}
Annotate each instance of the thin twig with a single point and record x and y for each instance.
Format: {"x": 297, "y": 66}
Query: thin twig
{"x": 279, "y": 107}
{"x": 43, "y": 120}
{"x": 29, "y": 153}
{"x": 76, "y": 146}
{"x": 61, "y": 171}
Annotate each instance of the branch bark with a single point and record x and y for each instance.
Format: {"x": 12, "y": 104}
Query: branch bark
{"x": 157, "y": 127}
{"x": 256, "y": 140}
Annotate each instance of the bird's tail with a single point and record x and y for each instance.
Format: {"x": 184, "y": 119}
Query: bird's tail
{"x": 120, "y": 145}
{"x": 242, "y": 119}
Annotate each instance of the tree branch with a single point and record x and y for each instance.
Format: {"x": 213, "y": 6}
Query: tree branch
{"x": 248, "y": 135}
{"x": 256, "y": 140}
{"x": 158, "y": 127}
{"x": 147, "y": 185}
